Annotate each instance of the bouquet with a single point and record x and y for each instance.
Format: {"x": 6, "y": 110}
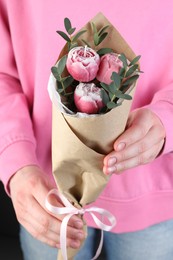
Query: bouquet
{"x": 91, "y": 87}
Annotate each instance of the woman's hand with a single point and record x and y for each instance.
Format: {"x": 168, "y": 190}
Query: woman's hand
{"x": 140, "y": 143}
{"x": 29, "y": 188}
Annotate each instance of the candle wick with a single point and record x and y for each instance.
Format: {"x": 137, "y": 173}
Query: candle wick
{"x": 117, "y": 57}
{"x": 85, "y": 50}
{"x": 92, "y": 86}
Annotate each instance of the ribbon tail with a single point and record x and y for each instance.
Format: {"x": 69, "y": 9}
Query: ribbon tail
{"x": 63, "y": 234}
{"x": 99, "y": 249}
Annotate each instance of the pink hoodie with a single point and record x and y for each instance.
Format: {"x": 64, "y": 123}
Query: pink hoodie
{"x": 29, "y": 46}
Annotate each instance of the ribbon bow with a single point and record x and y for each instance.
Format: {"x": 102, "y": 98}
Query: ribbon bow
{"x": 70, "y": 210}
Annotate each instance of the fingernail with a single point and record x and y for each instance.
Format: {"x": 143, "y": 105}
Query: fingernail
{"x": 78, "y": 224}
{"x": 111, "y": 169}
{"x": 111, "y": 161}
{"x": 80, "y": 235}
{"x": 120, "y": 147}
{"x": 75, "y": 243}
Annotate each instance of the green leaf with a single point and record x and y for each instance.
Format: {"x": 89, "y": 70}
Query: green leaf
{"x": 60, "y": 90}
{"x": 123, "y": 58}
{"x": 111, "y": 105}
{"x": 55, "y": 72}
{"x": 61, "y": 64}
{"x": 67, "y": 24}
{"x": 135, "y": 60}
{"x": 67, "y": 81}
{"x": 124, "y": 88}
{"x": 104, "y": 96}
{"x": 126, "y": 96}
{"x": 122, "y": 72}
{"x": 94, "y": 28}
{"x": 71, "y": 31}
{"x": 64, "y": 36}
{"x": 131, "y": 80}
{"x": 86, "y": 43}
{"x": 78, "y": 35}
{"x": 99, "y": 37}
{"x": 119, "y": 94}
{"x": 131, "y": 70}
{"x": 60, "y": 87}
{"x": 111, "y": 95}
{"x": 116, "y": 79}
{"x": 102, "y": 30}
{"x": 104, "y": 86}
{"x": 112, "y": 88}
{"x": 102, "y": 37}
{"x": 96, "y": 39}
{"x": 103, "y": 51}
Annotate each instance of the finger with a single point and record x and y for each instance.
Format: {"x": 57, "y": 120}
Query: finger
{"x": 40, "y": 191}
{"x": 150, "y": 139}
{"x": 130, "y": 136}
{"x": 47, "y": 228}
{"x": 32, "y": 229}
{"x": 74, "y": 221}
{"x": 50, "y": 223}
{"x": 38, "y": 232}
{"x": 140, "y": 159}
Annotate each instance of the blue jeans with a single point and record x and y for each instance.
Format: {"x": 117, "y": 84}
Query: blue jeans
{"x": 153, "y": 243}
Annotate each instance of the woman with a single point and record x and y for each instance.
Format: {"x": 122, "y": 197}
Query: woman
{"x": 140, "y": 192}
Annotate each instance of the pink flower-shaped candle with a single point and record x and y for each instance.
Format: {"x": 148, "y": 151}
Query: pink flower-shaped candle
{"x": 87, "y": 98}
{"x": 83, "y": 63}
{"x": 108, "y": 64}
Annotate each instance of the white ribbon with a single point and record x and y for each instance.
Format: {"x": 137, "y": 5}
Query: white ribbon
{"x": 70, "y": 210}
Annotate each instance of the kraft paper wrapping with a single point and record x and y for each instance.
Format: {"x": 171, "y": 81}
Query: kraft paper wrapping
{"x": 80, "y": 144}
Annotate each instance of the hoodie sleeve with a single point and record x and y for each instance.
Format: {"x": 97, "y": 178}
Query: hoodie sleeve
{"x": 162, "y": 106}
{"x": 17, "y": 141}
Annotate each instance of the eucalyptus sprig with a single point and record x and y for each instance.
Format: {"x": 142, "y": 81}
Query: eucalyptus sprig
{"x": 121, "y": 81}
{"x": 62, "y": 82}
{"x": 99, "y": 35}
{"x": 68, "y": 35}
{"x": 112, "y": 92}
{"x": 103, "y": 51}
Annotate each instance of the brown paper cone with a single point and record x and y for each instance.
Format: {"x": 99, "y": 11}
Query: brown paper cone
{"x": 78, "y": 149}
{"x": 79, "y": 144}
